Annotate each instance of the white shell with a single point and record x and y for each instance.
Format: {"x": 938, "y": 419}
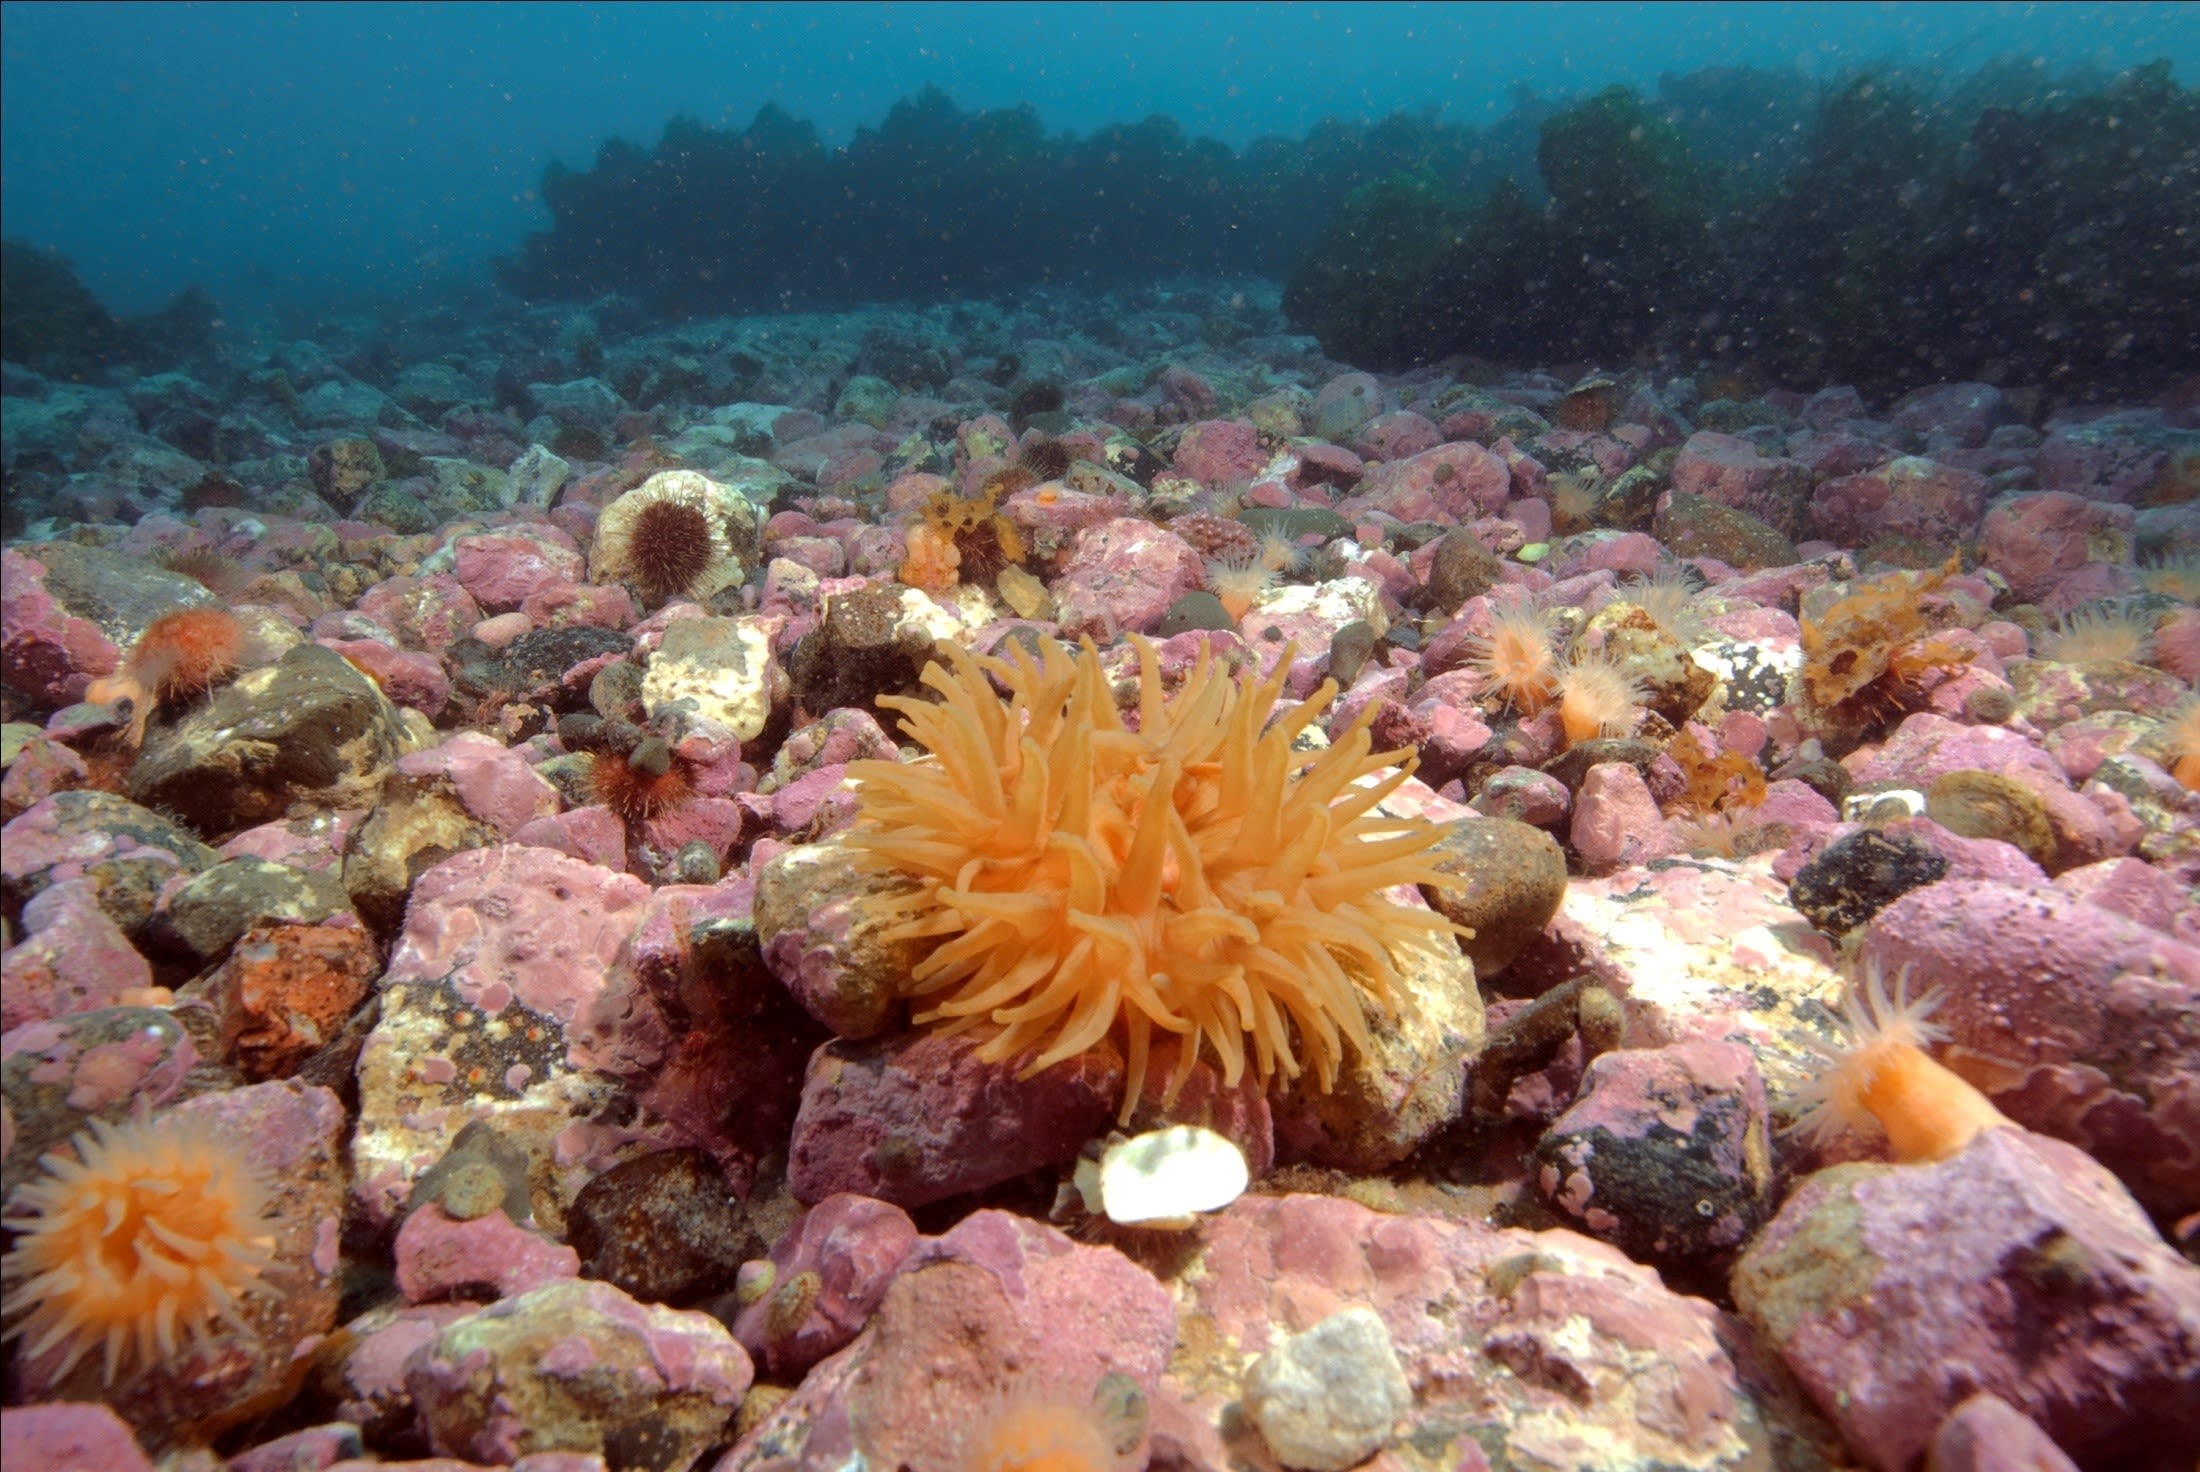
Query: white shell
{"x": 1170, "y": 1173}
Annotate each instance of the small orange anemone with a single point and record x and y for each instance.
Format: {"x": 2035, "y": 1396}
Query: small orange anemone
{"x": 1196, "y": 876}
{"x": 1596, "y": 698}
{"x": 133, "y": 1240}
{"x": 1885, "y": 1081}
{"x": 1516, "y": 658}
{"x": 2184, "y": 744}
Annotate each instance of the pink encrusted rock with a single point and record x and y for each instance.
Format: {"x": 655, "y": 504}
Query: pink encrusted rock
{"x": 1734, "y": 472}
{"x": 70, "y": 958}
{"x": 515, "y": 925}
{"x": 1987, "y": 1434}
{"x": 314, "y": 1449}
{"x": 492, "y": 782}
{"x": 292, "y": 1134}
{"x": 1960, "y": 413}
{"x": 917, "y": 1118}
{"x": 502, "y": 571}
{"x": 2137, "y": 891}
{"x": 1526, "y": 794}
{"x": 1910, "y": 497}
{"x": 732, "y": 1081}
{"x": 1187, "y": 391}
{"x": 1616, "y": 821}
{"x": 439, "y": 1256}
{"x": 365, "y": 1384}
{"x": 1398, "y": 435}
{"x": 1322, "y": 468}
{"x": 499, "y": 630}
{"x": 717, "y": 822}
{"x": 501, "y": 1002}
{"x": 1510, "y": 1338}
{"x": 314, "y": 844}
{"x": 1925, "y": 747}
{"x": 42, "y": 768}
{"x": 1450, "y": 483}
{"x": 594, "y": 835}
{"x": 578, "y": 1367}
{"x": 68, "y": 1436}
{"x": 1122, "y": 577}
{"x": 1665, "y": 1152}
{"x": 1217, "y": 452}
{"x": 2057, "y": 548}
{"x": 999, "y": 1304}
{"x": 2075, "y": 1020}
{"x": 407, "y": 677}
{"x": 430, "y": 613}
{"x": 46, "y": 652}
{"x": 2018, "y": 1267}
{"x": 2102, "y": 462}
{"x": 560, "y": 605}
{"x": 814, "y": 805}
{"x": 849, "y": 1248}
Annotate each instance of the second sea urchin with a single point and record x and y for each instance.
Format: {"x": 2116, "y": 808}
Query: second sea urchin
{"x": 1195, "y": 876}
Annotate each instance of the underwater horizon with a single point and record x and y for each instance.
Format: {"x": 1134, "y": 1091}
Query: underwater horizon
{"x": 1099, "y": 738}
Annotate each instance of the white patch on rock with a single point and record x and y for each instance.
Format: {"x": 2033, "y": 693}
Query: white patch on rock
{"x": 721, "y": 665}
{"x": 1327, "y": 1399}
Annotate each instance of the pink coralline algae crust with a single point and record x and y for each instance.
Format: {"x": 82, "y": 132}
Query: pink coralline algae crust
{"x": 2077, "y": 1021}
{"x": 440, "y": 1257}
{"x": 1664, "y": 1151}
{"x": 998, "y": 1304}
{"x": 1549, "y": 1343}
{"x": 854, "y": 1245}
{"x": 917, "y": 1118}
{"x": 45, "y": 650}
{"x": 68, "y": 1435}
{"x": 565, "y": 1367}
{"x": 522, "y": 924}
{"x": 2018, "y": 1267}
{"x": 1122, "y": 578}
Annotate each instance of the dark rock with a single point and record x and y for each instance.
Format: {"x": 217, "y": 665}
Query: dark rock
{"x": 204, "y": 918}
{"x": 1572, "y": 765}
{"x": 1349, "y": 651}
{"x": 118, "y": 595}
{"x": 1195, "y": 610}
{"x": 1858, "y": 876}
{"x": 307, "y": 734}
{"x": 1462, "y": 569}
{"x": 664, "y": 1228}
{"x": 1508, "y": 880}
{"x": 861, "y": 649}
{"x": 343, "y": 470}
{"x": 1619, "y": 1164}
{"x": 1691, "y": 526}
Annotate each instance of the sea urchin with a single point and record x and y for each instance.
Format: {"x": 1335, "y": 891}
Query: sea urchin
{"x": 150, "y": 1232}
{"x": 1195, "y": 876}
{"x": 669, "y": 547}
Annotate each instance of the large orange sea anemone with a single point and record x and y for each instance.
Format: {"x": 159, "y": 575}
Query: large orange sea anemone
{"x": 1196, "y": 876}
{"x": 133, "y": 1240}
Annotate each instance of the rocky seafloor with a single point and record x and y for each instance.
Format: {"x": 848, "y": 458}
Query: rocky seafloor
{"x": 594, "y": 1128}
